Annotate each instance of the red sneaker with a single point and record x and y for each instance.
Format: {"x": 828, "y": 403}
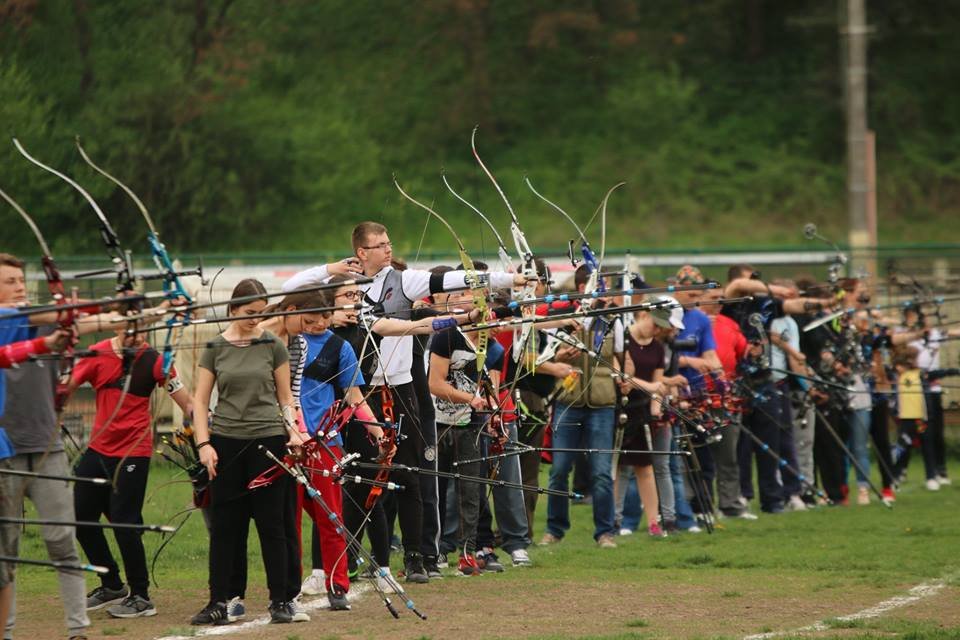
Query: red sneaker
{"x": 888, "y": 495}
{"x": 468, "y": 565}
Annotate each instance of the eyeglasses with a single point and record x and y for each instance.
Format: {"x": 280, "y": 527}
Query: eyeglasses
{"x": 383, "y": 246}
{"x": 350, "y": 295}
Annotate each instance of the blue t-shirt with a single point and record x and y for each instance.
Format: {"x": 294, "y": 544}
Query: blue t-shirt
{"x": 317, "y": 396}
{"x": 696, "y": 324}
{"x": 11, "y": 330}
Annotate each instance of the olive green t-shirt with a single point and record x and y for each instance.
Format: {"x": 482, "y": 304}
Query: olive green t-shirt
{"x": 247, "y": 406}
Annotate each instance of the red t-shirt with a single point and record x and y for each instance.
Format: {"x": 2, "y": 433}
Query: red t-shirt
{"x": 731, "y": 343}
{"x": 127, "y": 432}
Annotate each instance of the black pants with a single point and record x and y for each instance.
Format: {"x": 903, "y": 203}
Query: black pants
{"x": 429, "y": 489}
{"x": 828, "y": 457}
{"x": 316, "y": 554}
{"x": 238, "y": 580}
{"x": 410, "y": 453}
{"x": 232, "y": 506}
{"x": 936, "y": 427}
{"x": 880, "y": 434}
{"x": 354, "y": 499}
{"x": 294, "y": 551}
{"x": 708, "y": 473}
{"x": 121, "y": 504}
{"x": 910, "y": 431}
{"x": 765, "y": 421}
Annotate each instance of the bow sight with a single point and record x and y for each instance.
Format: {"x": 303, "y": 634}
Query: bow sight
{"x": 839, "y": 259}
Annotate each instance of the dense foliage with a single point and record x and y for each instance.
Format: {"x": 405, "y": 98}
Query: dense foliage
{"x": 274, "y": 126}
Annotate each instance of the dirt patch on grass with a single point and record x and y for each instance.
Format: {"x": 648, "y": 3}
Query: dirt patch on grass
{"x": 531, "y": 604}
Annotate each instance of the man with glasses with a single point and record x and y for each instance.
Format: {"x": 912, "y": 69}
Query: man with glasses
{"x": 391, "y": 293}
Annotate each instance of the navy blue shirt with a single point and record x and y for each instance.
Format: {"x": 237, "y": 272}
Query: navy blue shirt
{"x": 317, "y": 396}
{"x": 696, "y": 324}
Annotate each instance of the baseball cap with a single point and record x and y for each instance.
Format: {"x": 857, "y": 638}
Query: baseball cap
{"x": 669, "y": 315}
{"x": 689, "y": 274}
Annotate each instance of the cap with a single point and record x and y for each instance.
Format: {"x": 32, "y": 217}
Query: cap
{"x": 669, "y": 315}
{"x": 689, "y": 274}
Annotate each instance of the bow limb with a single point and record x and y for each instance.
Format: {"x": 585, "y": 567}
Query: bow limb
{"x": 585, "y": 244}
{"x": 523, "y": 344}
{"x": 52, "y": 274}
{"x": 122, "y": 266}
{"x": 120, "y": 259}
{"x": 519, "y": 239}
{"x": 173, "y": 288}
{"x": 66, "y": 320}
{"x": 603, "y": 228}
{"x": 603, "y": 220}
{"x": 502, "y": 253}
{"x": 526, "y": 345}
{"x": 477, "y": 289}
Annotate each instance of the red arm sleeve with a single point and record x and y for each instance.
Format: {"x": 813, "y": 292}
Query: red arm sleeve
{"x": 11, "y": 354}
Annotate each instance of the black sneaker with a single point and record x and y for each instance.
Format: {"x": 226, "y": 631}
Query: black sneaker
{"x": 413, "y": 568}
{"x": 133, "y": 606}
{"x": 488, "y": 561}
{"x": 281, "y": 612}
{"x": 338, "y": 599}
{"x": 214, "y": 613}
{"x": 431, "y": 566}
{"x": 102, "y": 596}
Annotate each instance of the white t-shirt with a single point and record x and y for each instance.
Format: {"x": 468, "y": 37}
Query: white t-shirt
{"x": 395, "y": 357}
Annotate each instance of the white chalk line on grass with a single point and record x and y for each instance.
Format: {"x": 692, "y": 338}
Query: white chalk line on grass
{"x": 916, "y": 593}
{"x": 262, "y": 621}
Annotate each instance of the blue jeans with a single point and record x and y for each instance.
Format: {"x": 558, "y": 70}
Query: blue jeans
{"x": 629, "y": 510}
{"x": 582, "y": 428}
{"x": 662, "y": 437}
{"x": 681, "y": 506}
{"x": 508, "y": 505}
{"x": 859, "y": 433}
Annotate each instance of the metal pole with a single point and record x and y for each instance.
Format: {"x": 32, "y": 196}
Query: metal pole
{"x": 855, "y": 77}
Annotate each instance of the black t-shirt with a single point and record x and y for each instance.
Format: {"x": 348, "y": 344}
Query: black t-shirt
{"x": 767, "y": 307}
{"x": 462, "y": 373}
{"x": 355, "y": 335}
{"x": 813, "y": 342}
{"x": 420, "y": 341}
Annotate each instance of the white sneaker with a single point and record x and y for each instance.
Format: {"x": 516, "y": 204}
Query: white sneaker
{"x": 236, "y": 610}
{"x": 385, "y": 584}
{"x": 625, "y": 532}
{"x": 933, "y": 485}
{"x": 314, "y": 584}
{"x": 299, "y": 615}
{"x": 943, "y": 480}
{"x": 520, "y": 558}
{"x": 796, "y": 503}
{"x": 746, "y": 515}
{"x": 694, "y": 529}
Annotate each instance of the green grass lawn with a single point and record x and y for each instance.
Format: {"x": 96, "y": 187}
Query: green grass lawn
{"x": 778, "y": 573}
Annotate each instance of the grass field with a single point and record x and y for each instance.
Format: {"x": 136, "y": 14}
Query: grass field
{"x": 778, "y": 574}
